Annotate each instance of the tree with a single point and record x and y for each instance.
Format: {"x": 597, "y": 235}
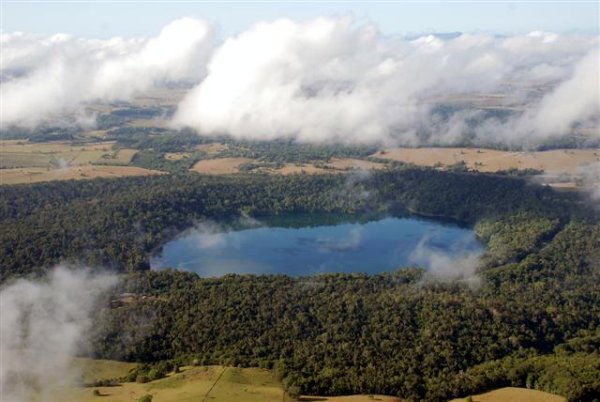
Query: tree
{"x": 293, "y": 392}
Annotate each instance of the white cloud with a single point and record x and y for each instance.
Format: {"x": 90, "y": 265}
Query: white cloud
{"x": 46, "y": 76}
{"x": 41, "y": 327}
{"x": 330, "y": 80}
{"x": 459, "y": 263}
{"x": 321, "y": 80}
{"x": 576, "y": 99}
{"x": 590, "y": 180}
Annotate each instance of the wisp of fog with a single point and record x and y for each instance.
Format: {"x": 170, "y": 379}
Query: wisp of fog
{"x": 457, "y": 264}
{"x": 42, "y": 323}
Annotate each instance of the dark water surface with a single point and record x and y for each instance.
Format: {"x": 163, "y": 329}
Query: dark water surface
{"x": 307, "y": 245}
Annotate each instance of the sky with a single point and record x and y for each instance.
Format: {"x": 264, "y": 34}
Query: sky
{"x": 104, "y": 19}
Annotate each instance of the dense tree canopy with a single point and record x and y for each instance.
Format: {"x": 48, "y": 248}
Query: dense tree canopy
{"x": 119, "y": 223}
{"x": 401, "y": 333}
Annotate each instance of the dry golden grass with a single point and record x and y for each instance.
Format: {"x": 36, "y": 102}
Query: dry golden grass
{"x": 85, "y": 157}
{"x": 351, "y": 398}
{"x": 246, "y": 384}
{"x": 176, "y": 156}
{"x": 564, "y": 185}
{"x": 212, "y": 148}
{"x": 211, "y": 383}
{"x": 208, "y": 383}
{"x": 159, "y": 97}
{"x": 37, "y": 175}
{"x": 220, "y": 166}
{"x": 298, "y": 168}
{"x": 119, "y": 157}
{"x": 98, "y": 369}
{"x": 95, "y": 133}
{"x": 158, "y": 123}
{"x": 511, "y": 394}
{"x": 129, "y": 392}
{"x": 336, "y": 165}
{"x": 349, "y": 163}
{"x": 228, "y": 384}
{"x": 487, "y": 160}
{"x": 125, "y": 155}
{"x": 24, "y": 159}
{"x": 52, "y": 147}
{"x": 63, "y": 154}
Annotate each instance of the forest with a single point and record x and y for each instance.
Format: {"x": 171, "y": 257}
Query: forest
{"x": 535, "y": 310}
{"x": 119, "y": 223}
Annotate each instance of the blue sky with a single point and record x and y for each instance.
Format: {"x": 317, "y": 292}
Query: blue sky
{"x": 135, "y": 18}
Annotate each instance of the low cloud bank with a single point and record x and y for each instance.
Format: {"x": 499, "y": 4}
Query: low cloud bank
{"x": 41, "y": 328}
{"x": 322, "y": 80}
{"x": 46, "y": 76}
{"x": 328, "y": 80}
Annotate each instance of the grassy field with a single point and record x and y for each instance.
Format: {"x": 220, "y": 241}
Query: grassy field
{"x": 220, "y": 166}
{"x": 177, "y": 156}
{"x": 510, "y": 394}
{"x": 226, "y": 384}
{"x": 93, "y": 369}
{"x": 38, "y": 175}
{"x": 489, "y": 160}
{"x": 351, "y": 398}
{"x": 210, "y": 383}
{"x": 563, "y": 168}
{"x": 159, "y": 97}
{"x": 25, "y": 154}
{"x": 95, "y": 134}
{"x": 52, "y": 147}
{"x": 22, "y": 161}
{"x": 212, "y": 148}
{"x": 349, "y": 163}
{"x": 232, "y": 165}
{"x": 157, "y": 123}
{"x": 121, "y": 156}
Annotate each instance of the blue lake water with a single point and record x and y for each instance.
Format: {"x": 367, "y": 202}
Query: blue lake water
{"x": 316, "y": 245}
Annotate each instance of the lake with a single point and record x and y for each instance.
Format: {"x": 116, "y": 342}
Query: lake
{"x": 308, "y": 245}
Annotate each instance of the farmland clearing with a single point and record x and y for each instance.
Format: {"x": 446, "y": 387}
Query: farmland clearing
{"x": 228, "y": 384}
{"x": 37, "y": 174}
{"x": 489, "y": 160}
{"x": 513, "y": 394}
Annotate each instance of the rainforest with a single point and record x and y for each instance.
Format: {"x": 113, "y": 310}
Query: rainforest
{"x": 527, "y": 309}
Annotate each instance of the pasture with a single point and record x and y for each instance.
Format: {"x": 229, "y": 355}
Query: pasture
{"x": 207, "y": 383}
{"x": 55, "y": 154}
{"x": 38, "y": 174}
{"x": 489, "y": 160}
{"x": 512, "y": 394}
{"x": 22, "y": 161}
{"x": 234, "y": 165}
{"x": 229, "y": 384}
